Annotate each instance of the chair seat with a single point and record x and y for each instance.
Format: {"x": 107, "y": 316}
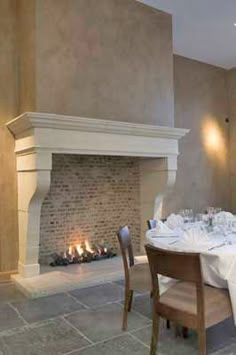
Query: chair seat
{"x": 182, "y": 298}
{"x": 140, "y": 259}
{"x": 140, "y": 277}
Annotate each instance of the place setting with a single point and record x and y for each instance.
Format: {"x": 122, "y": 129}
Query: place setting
{"x": 197, "y": 233}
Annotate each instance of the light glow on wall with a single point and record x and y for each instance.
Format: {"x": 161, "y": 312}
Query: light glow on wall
{"x": 214, "y": 140}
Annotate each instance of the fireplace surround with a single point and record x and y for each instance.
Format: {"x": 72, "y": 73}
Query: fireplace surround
{"x": 40, "y": 135}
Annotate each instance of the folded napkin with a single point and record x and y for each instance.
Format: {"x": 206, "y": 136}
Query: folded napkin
{"x": 195, "y": 239}
{"x": 163, "y": 230}
{"x": 175, "y": 221}
{"x": 225, "y": 215}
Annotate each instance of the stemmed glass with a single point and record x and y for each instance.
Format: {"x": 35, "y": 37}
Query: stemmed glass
{"x": 187, "y": 215}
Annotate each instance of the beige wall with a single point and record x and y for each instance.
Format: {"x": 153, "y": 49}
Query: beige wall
{"x": 231, "y": 81}
{"x": 105, "y": 59}
{"x": 26, "y": 22}
{"x": 8, "y": 110}
{"x": 203, "y": 164}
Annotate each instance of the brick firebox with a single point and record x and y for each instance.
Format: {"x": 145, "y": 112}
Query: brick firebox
{"x": 89, "y": 198}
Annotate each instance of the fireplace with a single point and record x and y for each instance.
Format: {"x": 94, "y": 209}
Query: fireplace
{"x": 41, "y": 138}
{"x": 90, "y": 196}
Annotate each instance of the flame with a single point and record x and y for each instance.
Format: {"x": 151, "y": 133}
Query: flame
{"x": 105, "y": 250}
{"x": 70, "y": 250}
{"x": 79, "y": 249}
{"x": 88, "y": 248}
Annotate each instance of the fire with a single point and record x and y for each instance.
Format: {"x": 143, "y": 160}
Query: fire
{"x": 70, "y": 250}
{"x": 79, "y": 249}
{"x": 88, "y": 248}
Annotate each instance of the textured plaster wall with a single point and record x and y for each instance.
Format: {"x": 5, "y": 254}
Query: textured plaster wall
{"x": 26, "y": 43}
{"x": 105, "y": 59}
{"x": 8, "y": 110}
{"x": 89, "y": 199}
{"x": 203, "y": 166}
{"x": 231, "y": 81}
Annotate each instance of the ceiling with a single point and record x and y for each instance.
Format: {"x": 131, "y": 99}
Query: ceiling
{"x": 202, "y": 29}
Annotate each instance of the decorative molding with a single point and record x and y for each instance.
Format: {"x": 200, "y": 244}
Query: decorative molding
{"x": 30, "y": 120}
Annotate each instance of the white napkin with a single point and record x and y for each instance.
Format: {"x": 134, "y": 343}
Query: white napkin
{"x": 163, "y": 230}
{"x": 195, "y": 239}
{"x": 175, "y": 221}
{"x": 225, "y": 215}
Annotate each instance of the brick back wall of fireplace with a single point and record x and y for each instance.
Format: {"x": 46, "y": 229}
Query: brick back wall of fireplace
{"x": 89, "y": 198}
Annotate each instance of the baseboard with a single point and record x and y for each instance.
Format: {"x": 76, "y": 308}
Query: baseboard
{"x": 6, "y": 275}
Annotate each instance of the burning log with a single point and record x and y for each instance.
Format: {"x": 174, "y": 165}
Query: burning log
{"x": 59, "y": 260}
{"x": 83, "y": 254}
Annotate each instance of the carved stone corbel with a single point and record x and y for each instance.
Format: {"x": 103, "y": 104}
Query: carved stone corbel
{"x": 33, "y": 175}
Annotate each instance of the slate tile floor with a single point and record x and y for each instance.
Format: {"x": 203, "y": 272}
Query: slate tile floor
{"x": 88, "y": 322}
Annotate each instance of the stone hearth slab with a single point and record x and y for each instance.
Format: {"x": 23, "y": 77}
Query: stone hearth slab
{"x": 54, "y": 337}
{"x": 35, "y": 310}
{"x": 71, "y": 278}
{"x": 105, "y": 322}
{"x": 125, "y": 345}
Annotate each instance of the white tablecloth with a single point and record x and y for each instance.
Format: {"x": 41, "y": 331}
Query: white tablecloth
{"x": 218, "y": 265}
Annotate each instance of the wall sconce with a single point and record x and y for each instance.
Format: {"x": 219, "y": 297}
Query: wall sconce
{"x": 214, "y": 139}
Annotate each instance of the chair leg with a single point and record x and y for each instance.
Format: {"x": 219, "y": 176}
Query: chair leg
{"x": 155, "y": 333}
{"x": 131, "y": 293}
{"x": 202, "y": 342}
{"x": 185, "y": 332}
{"x": 127, "y": 304}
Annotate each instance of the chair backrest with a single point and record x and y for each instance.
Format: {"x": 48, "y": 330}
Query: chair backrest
{"x": 126, "y": 245}
{"x": 177, "y": 265}
{"x": 152, "y": 223}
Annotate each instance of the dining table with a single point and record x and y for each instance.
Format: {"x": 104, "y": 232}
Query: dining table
{"x": 217, "y": 255}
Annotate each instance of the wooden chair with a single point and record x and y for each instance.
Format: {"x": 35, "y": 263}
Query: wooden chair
{"x": 189, "y": 302}
{"x": 152, "y": 223}
{"x": 137, "y": 276}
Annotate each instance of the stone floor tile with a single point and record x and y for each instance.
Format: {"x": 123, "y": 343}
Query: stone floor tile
{"x": 53, "y": 338}
{"x": 218, "y": 337}
{"x": 168, "y": 343}
{"x": 229, "y": 350}
{"x": 122, "y": 283}
{"x": 104, "y": 322}
{"x": 221, "y": 335}
{"x": 9, "y": 318}
{"x": 9, "y": 292}
{"x": 123, "y": 345}
{"x": 143, "y": 305}
{"x": 34, "y": 310}
{"x": 99, "y": 295}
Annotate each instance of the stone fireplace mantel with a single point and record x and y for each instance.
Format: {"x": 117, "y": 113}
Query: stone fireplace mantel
{"x": 39, "y": 135}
